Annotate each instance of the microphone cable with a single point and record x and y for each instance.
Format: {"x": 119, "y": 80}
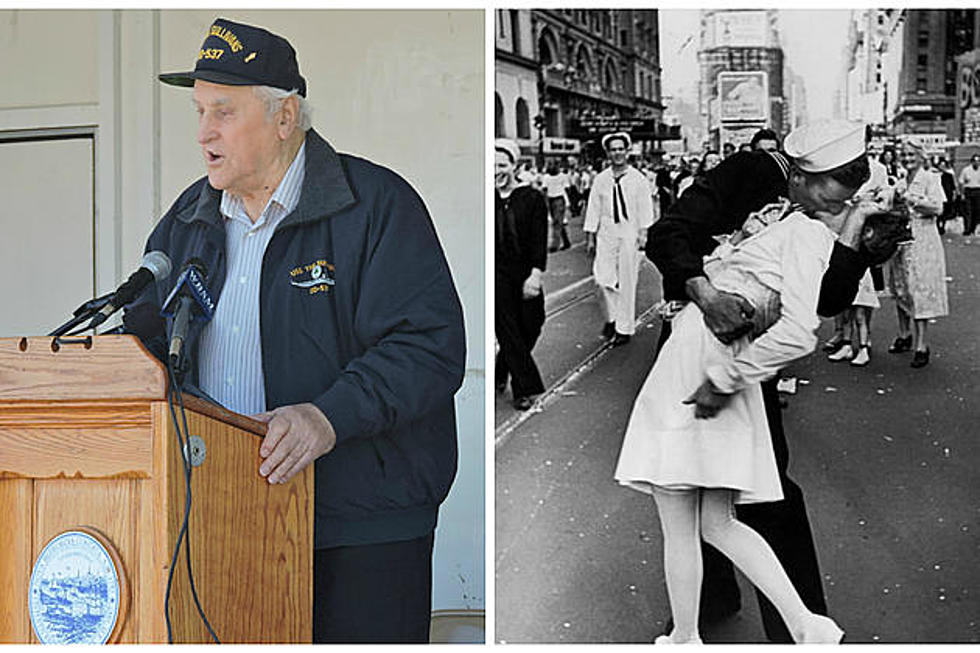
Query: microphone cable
{"x": 183, "y": 536}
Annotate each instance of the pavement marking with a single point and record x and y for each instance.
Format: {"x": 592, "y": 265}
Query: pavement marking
{"x": 561, "y": 292}
{"x": 504, "y": 431}
{"x": 570, "y": 288}
{"x": 569, "y": 304}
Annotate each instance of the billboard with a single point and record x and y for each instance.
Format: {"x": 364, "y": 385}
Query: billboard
{"x": 968, "y": 98}
{"x": 743, "y": 96}
{"x": 739, "y": 29}
{"x": 738, "y": 135}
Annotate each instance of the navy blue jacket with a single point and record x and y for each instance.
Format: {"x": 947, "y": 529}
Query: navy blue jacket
{"x": 378, "y": 346}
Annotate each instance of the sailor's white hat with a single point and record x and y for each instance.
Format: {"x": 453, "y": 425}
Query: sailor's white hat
{"x": 508, "y": 147}
{"x": 617, "y": 135}
{"x": 825, "y": 145}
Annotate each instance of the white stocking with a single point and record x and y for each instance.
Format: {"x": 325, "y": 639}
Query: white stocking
{"x": 682, "y": 559}
{"x": 752, "y": 555}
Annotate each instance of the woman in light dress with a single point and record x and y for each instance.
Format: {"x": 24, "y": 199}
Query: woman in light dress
{"x": 698, "y": 463}
{"x": 918, "y": 269}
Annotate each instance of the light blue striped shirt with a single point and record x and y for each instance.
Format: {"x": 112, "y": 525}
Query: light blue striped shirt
{"x": 231, "y": 344}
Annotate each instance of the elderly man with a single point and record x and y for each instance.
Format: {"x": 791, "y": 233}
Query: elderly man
{"x": 824, "y": 165}
{"x": 337, "y": 323}
{"x": 619, "y": 212}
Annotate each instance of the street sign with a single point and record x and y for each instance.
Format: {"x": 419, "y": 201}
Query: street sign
{"x": 934, "y": 142}
{"x": 555, "y": 145}
{"x": 638, "y": 128}
{"x": 600, "y": 125}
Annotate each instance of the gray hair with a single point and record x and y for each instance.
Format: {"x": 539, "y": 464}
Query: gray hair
{"x": 274, "y": 97}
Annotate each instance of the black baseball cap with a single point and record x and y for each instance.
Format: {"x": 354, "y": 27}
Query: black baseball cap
{"x": 242, "y": 55}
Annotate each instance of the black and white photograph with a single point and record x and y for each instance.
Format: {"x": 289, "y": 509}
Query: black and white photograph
{"x": 736, "y": 347}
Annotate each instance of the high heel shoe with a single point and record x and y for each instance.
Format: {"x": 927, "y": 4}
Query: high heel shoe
{"x": 900, "y": 344}
{"x": 820, "y": 630}
{"x": 920, "y": 358}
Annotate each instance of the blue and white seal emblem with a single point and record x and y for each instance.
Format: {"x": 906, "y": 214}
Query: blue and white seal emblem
{"x": 74, "y": 595}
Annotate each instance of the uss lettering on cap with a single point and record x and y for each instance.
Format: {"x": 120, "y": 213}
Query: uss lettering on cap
{"x": 243, "y": 55}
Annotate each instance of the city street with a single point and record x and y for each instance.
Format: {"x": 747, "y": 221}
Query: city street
{"x": 886, "y": 454}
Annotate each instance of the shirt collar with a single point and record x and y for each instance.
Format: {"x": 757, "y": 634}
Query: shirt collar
{"x": 285, "y": 197}
{"x": 325, "y": 189}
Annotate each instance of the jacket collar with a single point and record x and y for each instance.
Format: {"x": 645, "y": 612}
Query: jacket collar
{"x": 325, "y": 189}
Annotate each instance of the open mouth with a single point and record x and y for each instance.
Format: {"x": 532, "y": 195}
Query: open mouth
{"x": 211, "y": 157}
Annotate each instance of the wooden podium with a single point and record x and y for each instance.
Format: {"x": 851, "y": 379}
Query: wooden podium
{"x": 87, "y": 440}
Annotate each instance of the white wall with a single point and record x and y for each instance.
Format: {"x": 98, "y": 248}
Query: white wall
{"x": 402, "y": 88}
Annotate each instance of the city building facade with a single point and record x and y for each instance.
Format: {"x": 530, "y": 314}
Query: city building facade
{"x": 594, "y": 71}
{"x": 909, "y": 74}
{"x": 741, "y": 85}
{"x": 516, "y": 78}
{"x": 932, "y": 39}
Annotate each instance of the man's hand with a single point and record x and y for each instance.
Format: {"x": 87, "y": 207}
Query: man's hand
{"x": 532, "y": 285}
{"x": 589, "y": 243}
{"x": 727, "y": 315}
{"x": 707, "y": 400}
{"x": 297, "y": 435}
{"x": 850, "y": 233}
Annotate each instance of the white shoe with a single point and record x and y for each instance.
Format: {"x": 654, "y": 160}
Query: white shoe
{"x": 820, "y": 630}
{"x": 862, "y": 358}
{"x": 842, "y": 354}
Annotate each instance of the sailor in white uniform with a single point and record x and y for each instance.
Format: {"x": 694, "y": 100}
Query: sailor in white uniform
{"x": 619, "y": 212}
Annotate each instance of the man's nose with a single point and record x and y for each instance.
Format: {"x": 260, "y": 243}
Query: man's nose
{"x": 205, "y": 129}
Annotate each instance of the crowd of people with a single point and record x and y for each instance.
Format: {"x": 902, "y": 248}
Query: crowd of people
{"x": 903, "y": 177}
{"x": 907, "y": 178}
{"x": 619, "y": 202}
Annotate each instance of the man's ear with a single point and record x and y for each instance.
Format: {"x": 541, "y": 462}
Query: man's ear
{"x": 288, "y": 117}
{"x": 796, "y": 177}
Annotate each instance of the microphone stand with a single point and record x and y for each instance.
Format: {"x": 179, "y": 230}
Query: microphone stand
{"x": 82, "y": 313}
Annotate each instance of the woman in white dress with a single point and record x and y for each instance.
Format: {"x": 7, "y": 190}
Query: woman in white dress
{"x": 697, "y": 468}
{"x": 918, "y": 269}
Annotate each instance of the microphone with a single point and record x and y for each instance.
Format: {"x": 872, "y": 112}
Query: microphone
{"x": 187, "y": 301}
{"x": 155, "y": 265}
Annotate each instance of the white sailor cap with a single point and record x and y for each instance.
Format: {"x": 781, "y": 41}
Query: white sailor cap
{"x": 825, "y": 145}
{"x": 623, "y": 136}
{"x": 508, "y": 147}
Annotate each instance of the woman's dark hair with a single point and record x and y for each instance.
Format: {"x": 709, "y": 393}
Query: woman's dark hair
{"x": 883, "y": 231}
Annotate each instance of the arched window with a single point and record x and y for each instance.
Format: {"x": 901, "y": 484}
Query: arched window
{"x": 498, "y": 130}
{"x": 583, "y": 63}
{"x": 610, "y": 78}
{"x": 547, "y": 52}
{"x": 523, "y": 119}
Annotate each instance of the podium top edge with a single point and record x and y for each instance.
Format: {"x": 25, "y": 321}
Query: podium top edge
{"x": 90, "y": 367}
